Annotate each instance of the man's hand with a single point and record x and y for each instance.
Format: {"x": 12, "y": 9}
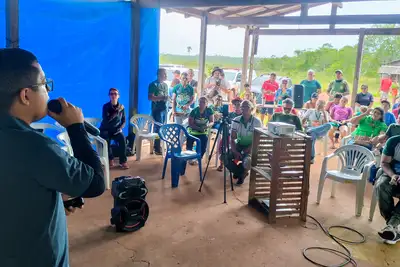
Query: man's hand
{"x": 186, "y": 107}
{"x": 69, "y": 114}
{"x": 395, "y": 179}
{"x": 70, "y": 210}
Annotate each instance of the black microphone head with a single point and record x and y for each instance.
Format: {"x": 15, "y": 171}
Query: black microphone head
{"x": 54, "y": 106}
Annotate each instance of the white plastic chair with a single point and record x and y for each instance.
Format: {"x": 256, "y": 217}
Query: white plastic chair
{"x": 356, "y": 162}
{"x": 94, "y": 121}
{"x": 47, "y": 126}
{"x": 101, "y": 148}
{"x": 143, "y": 127}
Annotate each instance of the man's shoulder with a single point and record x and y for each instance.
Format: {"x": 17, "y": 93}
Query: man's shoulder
{"x": 257, "y": 122}
{"x": 393, "y": 141}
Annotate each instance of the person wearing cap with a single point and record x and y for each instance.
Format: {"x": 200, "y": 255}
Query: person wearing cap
{"x": 364, "y": 98}
{"x": 312, "y": 103}
{"x": 386, "y": 86}
{"x": 176, "y": 80}
{"x": 215, "y": 85}
{"x": 111, "y": 127}
{"x": 311, "y": 85}
{"x": 282, "y": 91}
{"x": 339, "y": 85}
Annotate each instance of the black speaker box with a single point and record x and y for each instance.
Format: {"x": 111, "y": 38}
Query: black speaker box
{"x": 298, "y": 95}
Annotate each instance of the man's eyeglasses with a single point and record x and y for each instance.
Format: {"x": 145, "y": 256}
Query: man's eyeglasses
{"x": 48, "y": 84}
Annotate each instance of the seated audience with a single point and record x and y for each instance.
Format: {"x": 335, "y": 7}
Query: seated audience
{"x": 364, "y": 98}
{"x": 217, "y": 108}
{"x": 317, "y": 124}
{"x": 312, "y": 103}
{"x": 334, "y": 102}
{"x": 282, "y": 92}
{"x": 200, "y": 120}
{"x": 287, "y": 116}
{"x": 248, "y": 95}
{"x": 340, "y": 115}
{"x": 387, "y": 187}
{"x": 182, "y": 99}
{"x": 111, "y": 127}
{"x": 280, "y": 108}
{"x": 369, "y": 126}
{"x": 389, "y": 118}
{"x": 239, "y": 161}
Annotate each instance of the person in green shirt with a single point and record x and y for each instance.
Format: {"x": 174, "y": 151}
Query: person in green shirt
{"x": 338, "y": 86}
{"x": 311, "y": 85}
{"x": 287, "y": 116}
{"x": 158, "y": 95}
{"x": 182, "y": 99}
{"x": 369, "y": 126}
{"x": 387, "y": 187}
{"x": 200, "y": 120}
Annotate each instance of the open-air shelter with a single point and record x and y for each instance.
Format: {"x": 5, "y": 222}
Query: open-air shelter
{"x": 255, "y": 16}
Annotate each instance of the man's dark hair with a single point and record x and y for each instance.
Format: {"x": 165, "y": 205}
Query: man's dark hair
{"x": 338, "y": 95}
{"x": 384, "y": 101}
{"x": 16, "y": 73}
{"x": 161, "y": 70}
{"x": 272, "y": 74}
{"x": 246, "y": 85}
{"x": 288, "y": 101}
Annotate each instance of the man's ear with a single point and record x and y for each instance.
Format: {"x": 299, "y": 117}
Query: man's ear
{"x": 24, "y": 96}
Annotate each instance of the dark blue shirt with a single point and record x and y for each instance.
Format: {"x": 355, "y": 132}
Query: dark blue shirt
{"x": 113, "y": 118}
{"x": 34, "y": 170}
{"x": 364, "y": 99}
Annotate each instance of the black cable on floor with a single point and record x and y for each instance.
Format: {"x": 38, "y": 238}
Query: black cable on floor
{"x": 348, "y": 258}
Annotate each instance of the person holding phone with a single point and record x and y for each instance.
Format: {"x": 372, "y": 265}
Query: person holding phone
{"x": 37, "y": 174}
{"x": 111, "y": 127}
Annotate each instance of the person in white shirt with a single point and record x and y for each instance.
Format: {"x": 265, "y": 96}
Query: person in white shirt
{"x": 215, "y": 85}
{"x": 316, "y": 124}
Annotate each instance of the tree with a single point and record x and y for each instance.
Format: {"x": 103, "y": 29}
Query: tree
{"x": 189, "y": 49}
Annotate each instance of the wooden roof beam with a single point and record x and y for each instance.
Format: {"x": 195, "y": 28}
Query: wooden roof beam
{"x": 309, "y": 20}
{"x": 370, "y": 31}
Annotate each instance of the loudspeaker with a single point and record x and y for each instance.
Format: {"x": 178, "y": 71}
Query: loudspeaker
{"x": 298, "y": 95}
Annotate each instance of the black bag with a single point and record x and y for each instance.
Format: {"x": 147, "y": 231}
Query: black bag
{"x": 130, "y": 211}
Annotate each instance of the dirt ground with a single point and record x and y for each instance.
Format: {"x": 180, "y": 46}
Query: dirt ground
{"x": 188, "y": 228}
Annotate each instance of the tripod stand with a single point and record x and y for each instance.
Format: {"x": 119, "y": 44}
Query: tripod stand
{"x": 224, "y": 128}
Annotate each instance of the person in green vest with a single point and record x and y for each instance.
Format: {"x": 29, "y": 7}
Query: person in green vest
{"x": 311, "y": 86}
{"x": 339, "y": 85}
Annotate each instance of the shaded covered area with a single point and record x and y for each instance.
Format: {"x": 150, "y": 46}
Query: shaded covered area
{"x": 188, "y": 228}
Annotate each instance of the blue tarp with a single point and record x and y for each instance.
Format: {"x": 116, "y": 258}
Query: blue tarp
{"x": 2, "y": 23}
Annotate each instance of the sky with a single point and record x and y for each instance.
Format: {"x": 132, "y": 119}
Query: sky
{"x": 177, "y": 33}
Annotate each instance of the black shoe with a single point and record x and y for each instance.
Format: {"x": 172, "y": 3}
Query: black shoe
{"x": 158, "y": 153}
{"x": 240, "y": 181}
{"x": 389, "y": 235}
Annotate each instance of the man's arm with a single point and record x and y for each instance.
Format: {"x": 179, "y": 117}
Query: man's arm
{"x": 123, "y": 119}
{"x": 387, "y": 155}
{"x": 346, "y": 88}
{"x": 297, "y": 123}
{"x": 152, "y": 97}
{"x": 173, "y": 102}
{"x": 319, "y": 87}
{"x": 330, "y": 86}
{"x": 81, "y": 175}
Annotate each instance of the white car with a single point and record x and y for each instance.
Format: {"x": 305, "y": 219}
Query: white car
{"x": 256, "y": 85}
{"x": 234, "y": 77}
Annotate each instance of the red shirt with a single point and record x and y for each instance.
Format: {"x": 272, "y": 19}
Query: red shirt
{"x": 396, "y": 112}
{"x": 280, "y": 110}
{"x": 272, "y": 87}
{"x": 386, "y": 84}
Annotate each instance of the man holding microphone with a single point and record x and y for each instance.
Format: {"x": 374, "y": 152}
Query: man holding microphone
{"x": 35, "y": 171}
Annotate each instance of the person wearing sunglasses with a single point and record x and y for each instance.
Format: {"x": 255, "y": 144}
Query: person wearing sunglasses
{"x": 35, "y": 170}
{"x": 111, "y": 127}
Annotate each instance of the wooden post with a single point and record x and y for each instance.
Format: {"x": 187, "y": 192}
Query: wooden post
{"x": 245, "y": 57}
{"x": 202, "y": 55}
{"x": 12, "y": 23}
{"x": 254, "y": 43}
{"x": 134, "y": 61}
{"x": 357, "y": 71}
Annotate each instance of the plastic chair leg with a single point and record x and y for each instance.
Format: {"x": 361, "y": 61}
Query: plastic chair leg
{"x": 175, "y": 165}
{"x": 333, "y": 192}
{"x": 322, "y": 179}
{"x": 374, "y": 200}
{"x": 200, "y": 169}
{"x": 138, "y": 142}
{"x": 360, "y": 195}
{"x": 106, "y": 165}
{"x": 182, "y": 166}
{"x": 151, "y": 146}
{"x": 165, "y": 167}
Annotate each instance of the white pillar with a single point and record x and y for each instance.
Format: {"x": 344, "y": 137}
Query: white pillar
{"x": 202, "y": 55}
{"x": 357, "y": 71}
{"x": 12, "y": 23}
{"x": 254, "y": 44}
{"x": 246, "y": 47}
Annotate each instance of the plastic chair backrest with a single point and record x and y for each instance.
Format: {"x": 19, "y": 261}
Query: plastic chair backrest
{"x": 353, "y": 158}
{"x": 64, "y": 139}
{"x": 93, "y": 121}
{"x": 170, "y": 133}
{"x": 45, "y": 126}
{"x": 143, "y": 124}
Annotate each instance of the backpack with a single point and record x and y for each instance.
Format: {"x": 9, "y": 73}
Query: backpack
{"x": 130, "y": 211}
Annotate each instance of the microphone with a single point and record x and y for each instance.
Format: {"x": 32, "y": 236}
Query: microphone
{"x": 55, "y": 106}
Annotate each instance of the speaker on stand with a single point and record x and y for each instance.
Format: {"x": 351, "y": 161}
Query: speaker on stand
{"x": 298, "y": 95}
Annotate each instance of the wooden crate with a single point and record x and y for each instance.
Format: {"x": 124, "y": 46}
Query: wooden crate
{"x": 279, "y": 177}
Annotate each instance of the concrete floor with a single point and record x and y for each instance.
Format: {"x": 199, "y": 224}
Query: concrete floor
{"x": 188, "y": 228}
